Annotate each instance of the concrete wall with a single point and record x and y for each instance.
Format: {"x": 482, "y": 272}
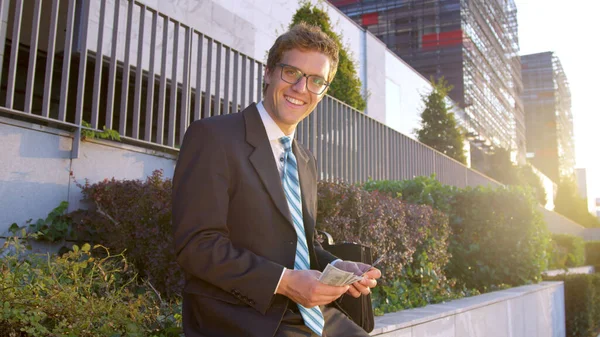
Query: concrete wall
{"x": 591, "y": 234}
{"x": 36, "y": 167}
{"x": 571, "y": 271}
{"x": 558, "y": 224}
{"x": 528, "y": 311}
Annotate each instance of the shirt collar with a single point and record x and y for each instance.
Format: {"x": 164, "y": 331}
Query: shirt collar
{"x": 273, "y": 131}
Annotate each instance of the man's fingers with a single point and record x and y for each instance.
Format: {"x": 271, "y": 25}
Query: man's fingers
{"x": 368, "y": 282}
{"x": 374, "y": 273}
{"x": 354, "y": 292}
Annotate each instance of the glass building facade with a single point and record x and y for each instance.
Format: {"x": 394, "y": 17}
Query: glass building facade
{"x": 548, "y": 117}
{"x": 472, "y": 43}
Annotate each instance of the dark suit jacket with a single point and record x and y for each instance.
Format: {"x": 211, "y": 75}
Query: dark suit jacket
{"x": 232, "y": 227}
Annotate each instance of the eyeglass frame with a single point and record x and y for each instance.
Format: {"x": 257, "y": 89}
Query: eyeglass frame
{"x": 283, "y": 65}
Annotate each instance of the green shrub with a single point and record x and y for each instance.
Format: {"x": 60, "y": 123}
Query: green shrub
{"x": 582, "y": 303}
{"x": 499, "y": 238}
{"x": 421, "y": 190}
{"x": 592, "y": 253}
{"x": 415, "y": 237}
{"x": 55, "y": 227}
{"x": 134, "y": 216}
{"x": 567, "y": 251}
{"x": 78, "y": 294}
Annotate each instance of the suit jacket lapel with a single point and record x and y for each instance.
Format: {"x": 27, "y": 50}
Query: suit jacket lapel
{"x": 263, "y": 161}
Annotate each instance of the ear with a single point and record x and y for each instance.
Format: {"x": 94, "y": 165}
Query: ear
{"x": 267, "y": 75}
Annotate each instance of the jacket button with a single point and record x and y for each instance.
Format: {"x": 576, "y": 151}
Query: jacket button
{"x": 291, "y": 242}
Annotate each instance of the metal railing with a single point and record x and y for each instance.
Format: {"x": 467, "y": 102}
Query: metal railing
{"x": 131, "y": 68}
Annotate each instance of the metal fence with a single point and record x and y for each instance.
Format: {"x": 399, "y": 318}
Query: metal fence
{"x": 122, "y": 65}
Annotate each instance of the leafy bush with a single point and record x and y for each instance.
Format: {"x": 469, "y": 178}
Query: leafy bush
{"x": 421, "y": 190}
{"x": 55, "y": 227}
{"x": 499, "y": 237}
{"x": 582, "y": 303}
{"x": 77, "y": 294}
{"x": 592, "y": 253}
{"x": 134, "y": 216}
{"x": 415, "y": 237}
{"x": 567, "y": 251}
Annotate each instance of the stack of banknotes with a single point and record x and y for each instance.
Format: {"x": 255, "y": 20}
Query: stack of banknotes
{"x": 337, "y": 277}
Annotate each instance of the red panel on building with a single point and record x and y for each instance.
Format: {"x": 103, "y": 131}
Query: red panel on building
{"x": 450, "y": 38}
{"x": 429, "y": 41}
{"x": 370, "y": 19}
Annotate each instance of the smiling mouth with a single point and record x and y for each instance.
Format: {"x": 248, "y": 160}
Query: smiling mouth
{"x": 294, "y": 101}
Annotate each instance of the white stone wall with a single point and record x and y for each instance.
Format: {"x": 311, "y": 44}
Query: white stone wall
{"x": 36, "y": 166}
{"x": 528, "y": 311}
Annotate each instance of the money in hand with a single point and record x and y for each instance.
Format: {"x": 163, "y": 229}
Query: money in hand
{"x": 337, "y": 277}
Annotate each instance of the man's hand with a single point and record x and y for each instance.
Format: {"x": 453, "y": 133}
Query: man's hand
{"x": 357, "y": 268}
{"x": 303, "y": 287}
{"x": 363, "y": 287}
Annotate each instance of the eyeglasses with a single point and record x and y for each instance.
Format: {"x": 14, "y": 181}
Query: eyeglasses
{"x": 292, "y": 75}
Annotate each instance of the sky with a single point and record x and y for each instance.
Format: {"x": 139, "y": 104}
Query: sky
{"x": 570, "y": 29}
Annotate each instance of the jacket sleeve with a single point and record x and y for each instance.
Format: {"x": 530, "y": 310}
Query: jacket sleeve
{"x": 201, "y": 186}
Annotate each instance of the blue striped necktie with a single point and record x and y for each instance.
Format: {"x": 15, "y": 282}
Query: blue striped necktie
{"x": 313, "y": 317}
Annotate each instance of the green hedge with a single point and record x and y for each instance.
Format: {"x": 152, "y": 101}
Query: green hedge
{"x": 567, "y": 251}
{"x": 455, "y": 242}
{"x": 415, "y": 237}
{"x": 592, "y": 254}
{"x": 134, "y": 216}
{"x": 582, "y": 304}
{"x": 421, "y": 190}
{"x": 79, "y": 294}
{"x": 499, "y": 238}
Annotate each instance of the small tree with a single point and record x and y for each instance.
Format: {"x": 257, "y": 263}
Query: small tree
{"x": 346, "y": 84}
{"x": 571, "y": 205}
{"x": 438, "y": 125}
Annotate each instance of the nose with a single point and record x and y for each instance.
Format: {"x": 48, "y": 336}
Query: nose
{"x": 300, "y": 86}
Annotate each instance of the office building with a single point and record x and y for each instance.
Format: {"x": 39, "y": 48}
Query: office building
{"x": 473, "y": 44}
{"x": 548, "y": 118}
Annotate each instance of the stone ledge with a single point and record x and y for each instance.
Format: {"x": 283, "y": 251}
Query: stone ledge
{"x": 411, "y": 317}
{"x": 571, "y": 271}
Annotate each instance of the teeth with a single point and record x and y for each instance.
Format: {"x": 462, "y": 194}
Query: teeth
{"x": 294, "y": 101}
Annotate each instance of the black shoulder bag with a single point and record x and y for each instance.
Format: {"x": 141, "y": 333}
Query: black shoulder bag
{"x": 359, "y": 310}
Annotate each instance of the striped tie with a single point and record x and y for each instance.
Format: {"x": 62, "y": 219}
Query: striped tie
{"x": 313, "y": 317}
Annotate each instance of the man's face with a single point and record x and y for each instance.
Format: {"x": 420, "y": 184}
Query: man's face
{"x": 288, "y": 104}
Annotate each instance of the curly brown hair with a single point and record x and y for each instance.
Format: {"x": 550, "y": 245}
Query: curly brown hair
{"x": 308, "y": 38}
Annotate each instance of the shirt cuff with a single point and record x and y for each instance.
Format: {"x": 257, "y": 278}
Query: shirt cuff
{"x": 280, "y": 277}
{"x": 334, "y": 261}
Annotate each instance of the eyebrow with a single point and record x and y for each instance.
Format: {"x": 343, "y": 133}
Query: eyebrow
{"x": 304, "y": 73}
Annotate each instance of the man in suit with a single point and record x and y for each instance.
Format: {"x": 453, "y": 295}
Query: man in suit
{"x": 244, "y": 209}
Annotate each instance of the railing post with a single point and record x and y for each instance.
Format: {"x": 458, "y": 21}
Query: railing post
{"x": 4, "y": 7}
